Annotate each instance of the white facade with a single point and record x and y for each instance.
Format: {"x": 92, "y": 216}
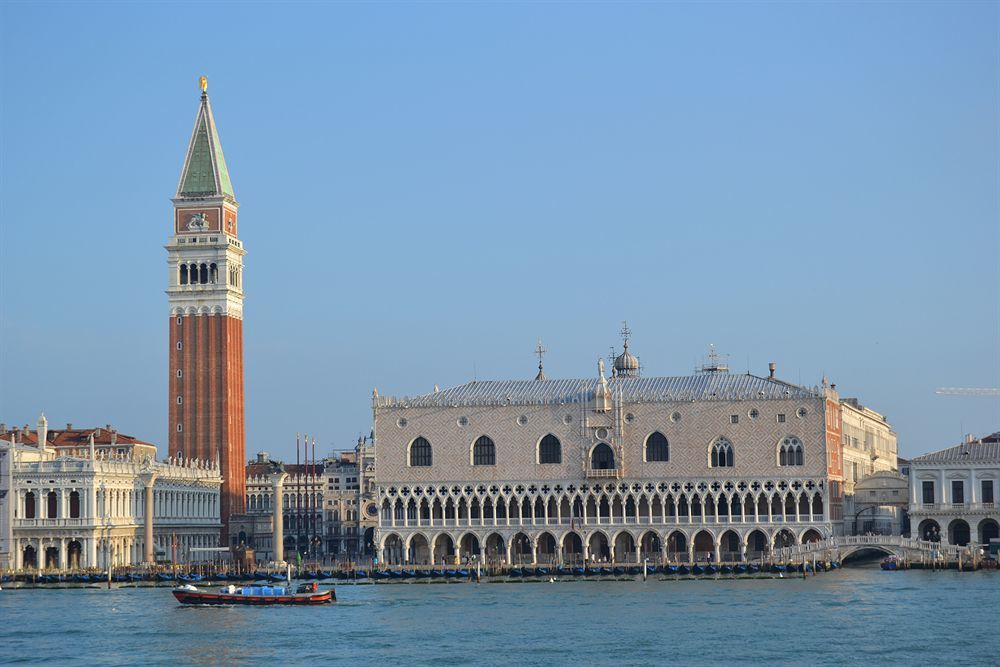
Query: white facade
{"x": 68, "y": 512}
{"x": 953, "y": 493}
{"x": 607, "y": 469}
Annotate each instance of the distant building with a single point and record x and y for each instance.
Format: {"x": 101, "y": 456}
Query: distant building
{"x": 79, "y": 499}
{"x": 953, "y": 492}
{"x": 328, "y": 509}
{"x": 870, "y": 455}
{"x": 713, "y": 465}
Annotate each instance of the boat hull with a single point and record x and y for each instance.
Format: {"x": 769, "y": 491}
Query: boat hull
{"x": 206, "y": 598}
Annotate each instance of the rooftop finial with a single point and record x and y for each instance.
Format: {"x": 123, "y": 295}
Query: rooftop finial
{"x": 203, "y": 82}
{"x": 540, "y": 351}
{"x": 626, "y": 333}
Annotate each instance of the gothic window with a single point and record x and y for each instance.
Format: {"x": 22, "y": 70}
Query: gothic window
{"x": 420, "y": 452}
{"x": 602, "y": 458}
{"x": 484, "y": 452}
{"x": 722, "y": 453}
{"x": 550, "y": 450}
{"x": 657, "y": 447}
{"x": 790, "y": 452}
{"x": 184, "y": 274}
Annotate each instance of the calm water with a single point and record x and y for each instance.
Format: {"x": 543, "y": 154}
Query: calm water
{"x": 860, "y": 615}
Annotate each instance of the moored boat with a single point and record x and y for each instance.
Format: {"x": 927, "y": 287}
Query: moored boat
{"x": 305, "y": 594}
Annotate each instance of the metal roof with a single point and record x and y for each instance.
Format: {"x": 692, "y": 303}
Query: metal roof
{"x": 205, "y": 172}
{"x": 985, "y": 449}
{"x": 703, "y": 387}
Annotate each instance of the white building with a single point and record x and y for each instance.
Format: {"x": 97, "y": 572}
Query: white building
{"x": 87, "y": 498}
{"x": 953, "y": 492}
{"x": 714, "y": 465}
{"x": 870, "y": 449}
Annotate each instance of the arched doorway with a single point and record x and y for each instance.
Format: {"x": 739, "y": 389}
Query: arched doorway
{"x": 811, "y": 535}
{"x": 29, "y": 559}
{"x": 602, "y": 457}
{"x": 989, "y": 529}
{"x": 520, "y": 549}
{"x": 572, "y": 548}
{"x": 392, "y": 551}
{"x": 368, "y": 542}
{"x": 929, "y": 530}
{"x": 624, "y": 548}
{"x": 649, "y": 546}
{"x": 496, "y": 547}
{"x": 730, "y": 546}
{"x": 958, "y": 532}
{"x": 470, "y": 545}
{"x": 51, "y": 558}
{"x": 677, "y": 546}
{"x": 756, "y": 544}
{"x": 75, "y": 549}
{"x": 598, "y": 547}
{"x": 704, "y": 546}
{"x": 420, "y": 550}
{"x": 444, "y": 549}
{"x": 546, "y": 548}
{"x": 783, "y": 538}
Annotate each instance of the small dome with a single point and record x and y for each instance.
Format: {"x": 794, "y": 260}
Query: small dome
{"x": 626, "y": 361}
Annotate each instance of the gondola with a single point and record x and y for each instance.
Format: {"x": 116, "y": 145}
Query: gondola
{"x": 606, "y": 571}
{"x": 305, "y": 594}
{"x": 361, "y": 574}
{"x": 753, "y": 568}
{"x": 697, "y": 569}
{"x": 463, "y": 573}
{"x": 515, "y": 572}
{"x": 542, "y": 572}
{"x": 579, "y": 571}
{"x": 163, "y": 576}
{"x": 740, "y": 569}
{"x": 711, "y": 569}
{"x": 683, "y": 569}
{"x": 726, "y": 569}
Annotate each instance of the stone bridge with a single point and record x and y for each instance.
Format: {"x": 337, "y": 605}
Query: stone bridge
{"x": 839, "y": 548}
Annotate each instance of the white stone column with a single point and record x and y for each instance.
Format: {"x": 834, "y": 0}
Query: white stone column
{"x": 147, "y": 518}
{"x": 277, "y": 484}
{"x": 63, "y": 560}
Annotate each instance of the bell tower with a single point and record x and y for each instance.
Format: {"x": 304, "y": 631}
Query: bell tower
{"x": 205, "y": 294}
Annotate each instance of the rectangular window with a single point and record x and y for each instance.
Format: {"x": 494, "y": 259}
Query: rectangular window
{"x": 928, "y": 491}
{"x": 987, "y": 486}
{"x": 781, "y": 419}
{"x": 957, "y": 492}
{"x": 734, "y": 419}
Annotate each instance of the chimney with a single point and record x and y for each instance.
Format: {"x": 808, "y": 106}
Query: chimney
{"x": 3, "y": 427}
{"x": 114, "y": 437}
{"x": 969, "y": 438}
{"x": 69, "y": 426}
{"x": 770, "y": 369}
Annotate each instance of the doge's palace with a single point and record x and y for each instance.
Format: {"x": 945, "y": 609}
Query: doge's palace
{"x": 715, "y": 465}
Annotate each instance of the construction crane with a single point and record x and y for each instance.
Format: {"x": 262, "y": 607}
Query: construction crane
{"x": 968, "y": 391}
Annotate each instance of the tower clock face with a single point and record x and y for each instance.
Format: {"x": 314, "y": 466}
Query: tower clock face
{"x": 372, "y": 510}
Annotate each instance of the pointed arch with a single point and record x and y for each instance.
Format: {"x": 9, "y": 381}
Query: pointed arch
{"x": 420, "y": 453}
{"x": 720, "y": 453}
{"x": 549, "y": 449}
{"x": 657, "y": 448}
{"x": 790, "y": 451}
{"x": 484, "y": 452}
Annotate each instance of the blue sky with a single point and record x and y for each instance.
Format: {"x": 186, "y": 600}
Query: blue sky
{"x": 425, "y": 189}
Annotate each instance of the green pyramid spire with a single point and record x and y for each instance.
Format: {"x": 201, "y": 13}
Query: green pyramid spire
{"x": 205, "y": 173}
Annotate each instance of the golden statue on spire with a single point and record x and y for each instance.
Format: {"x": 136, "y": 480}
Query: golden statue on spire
{"x": 203, "y": 82}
